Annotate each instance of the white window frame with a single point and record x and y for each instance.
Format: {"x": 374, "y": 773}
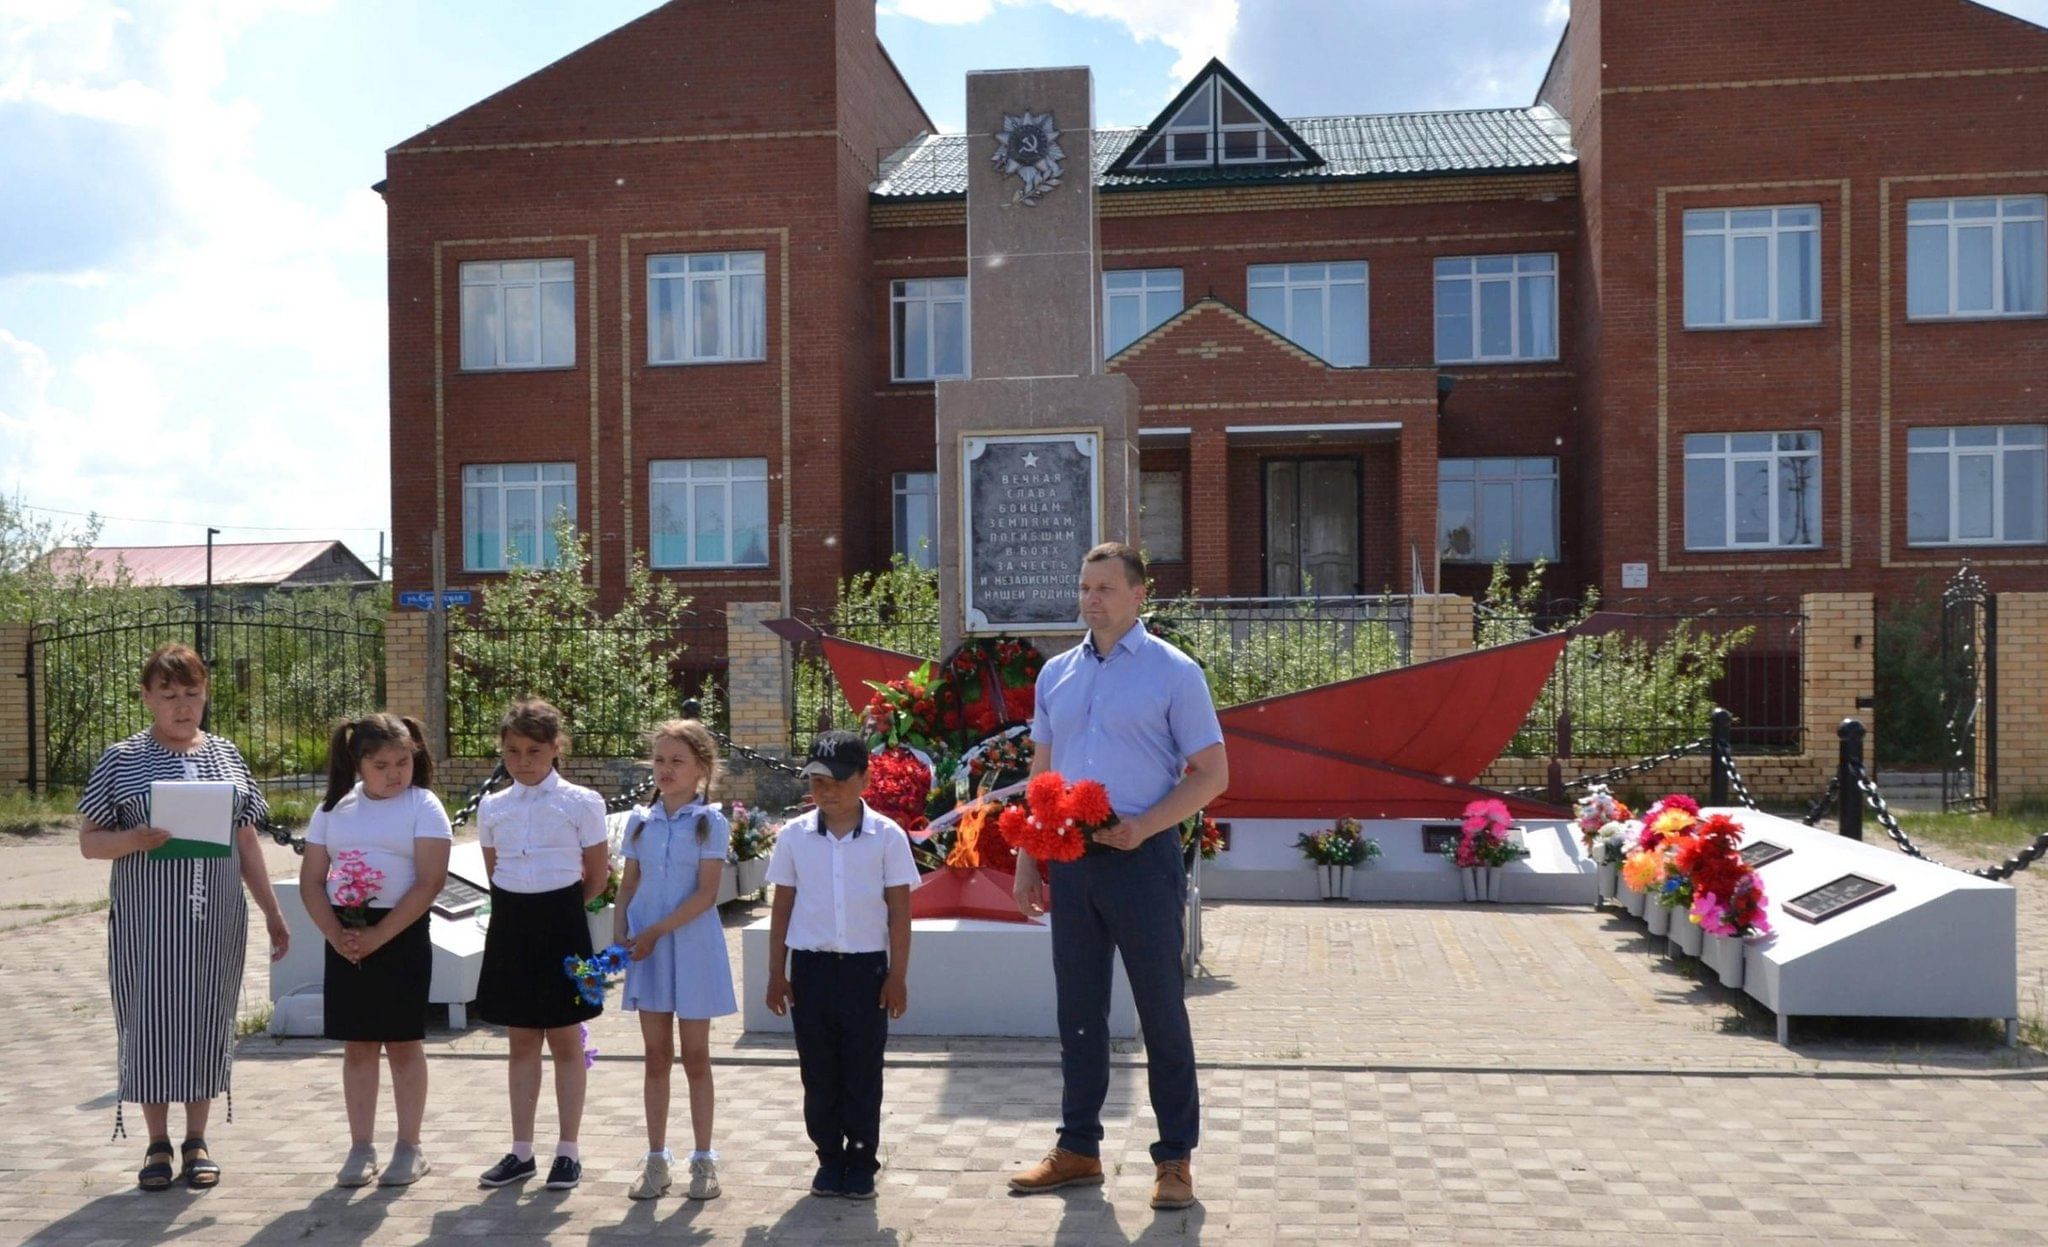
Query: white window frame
{"x": 734, "y": 269}
{"x": 1260, "y": 277}
{"x": 1151, "y": 282}
{"x": 487, "y": 278}
{"x": 1998, "y": 453}
{"x": 1776, "y": 456}
{"x": 901, "y": 486}
{"x": 1522, "y": 267}
{"x": 487, "y": 481}
{"x": 2009, "y": 210}
{"x": 1215, "y": 133}
{"x": 1520, "y": 470}
{"x": 1160, "y": 478}
{"x": 678, "y": 472}
{"x": 920, "y": 290}
{"x": 1774, "y": 232}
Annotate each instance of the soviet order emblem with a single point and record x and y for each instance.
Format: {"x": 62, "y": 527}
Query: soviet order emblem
{"x": 1029, "y": 147}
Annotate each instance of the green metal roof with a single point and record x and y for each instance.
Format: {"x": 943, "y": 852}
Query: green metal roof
{"x": 1384, "y": 145}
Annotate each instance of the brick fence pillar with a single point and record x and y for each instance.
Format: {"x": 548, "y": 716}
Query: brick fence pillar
{"x": 1209, "y": 513}
{"x": 2022, "y": 707}
{"x": 1440, "y": 625}
{"x": 1837, "y": 669}
{"x": 407, "y": 682}
{"x": 757, "y": 677}
{"x": 17, "y": 732}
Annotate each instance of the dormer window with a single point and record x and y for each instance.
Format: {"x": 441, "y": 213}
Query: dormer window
{"x": 1215, "y": 122}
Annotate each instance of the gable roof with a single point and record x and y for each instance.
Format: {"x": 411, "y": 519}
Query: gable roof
{"x": 1302, "y": 153}
{"x": 175, "y": 567}
{"x": 1210, "y": 305}
{"x": 1353, "y": 148}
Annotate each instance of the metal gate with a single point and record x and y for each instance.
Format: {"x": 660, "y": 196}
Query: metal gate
{"x": 282, "y": 675}
{"x": 1969, "y": 692}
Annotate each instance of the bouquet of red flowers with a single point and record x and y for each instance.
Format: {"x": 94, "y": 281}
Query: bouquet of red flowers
{"x": 897, "y": 786}
{"x": 1056, "y": 819}
{"x": 916, "y": 710}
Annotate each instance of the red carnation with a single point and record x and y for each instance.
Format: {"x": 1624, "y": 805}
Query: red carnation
{"x": 1015, "y": 825}
{"x": 1046, "y": 793}
{"x": 1088, "y": 804}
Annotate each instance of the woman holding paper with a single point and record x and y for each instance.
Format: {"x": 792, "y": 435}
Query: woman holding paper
{"x": 176, "y": 810}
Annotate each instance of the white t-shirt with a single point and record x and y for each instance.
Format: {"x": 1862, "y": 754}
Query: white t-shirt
{"x": 539, "y": 833}
{"x": 384, "y": 832}
{"x": 839, "y": 881}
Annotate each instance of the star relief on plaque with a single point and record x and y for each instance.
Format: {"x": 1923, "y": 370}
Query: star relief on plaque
{"x": 1028, "y": 148}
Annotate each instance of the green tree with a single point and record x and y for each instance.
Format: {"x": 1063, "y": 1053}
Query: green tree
{"x": 541, "y": 632}
{"x": 895, "y": 608}
{"x": 1264, "y": 653}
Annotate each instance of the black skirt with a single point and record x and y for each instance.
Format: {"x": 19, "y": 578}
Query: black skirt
{"x": 384, "y": 999}
{"x": 522, "y": 982}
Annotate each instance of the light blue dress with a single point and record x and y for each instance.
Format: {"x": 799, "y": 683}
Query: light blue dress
{"x": 688, "y": 973}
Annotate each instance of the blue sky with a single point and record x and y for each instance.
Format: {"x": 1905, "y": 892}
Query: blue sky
{"x": 192, "y": 325}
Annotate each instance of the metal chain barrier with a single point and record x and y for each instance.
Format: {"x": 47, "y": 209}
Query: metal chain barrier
{"x": 1736, "y": 784}
{"x": 1819, "y": 809}
{"x": 1624, "y": 771}
{"x": 736, "y": 749}
{"x": 281, "y": 834}
{"x": 1889, "y": 821}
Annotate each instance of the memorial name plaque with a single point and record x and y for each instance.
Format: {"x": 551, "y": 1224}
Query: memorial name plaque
{"x": 1441, "y": 838}
{"x": 458, "y": 899}
{"x": 1762, "y": 853}
{"x": 1031, "y": 508}
{"x": 1829, "y": 899}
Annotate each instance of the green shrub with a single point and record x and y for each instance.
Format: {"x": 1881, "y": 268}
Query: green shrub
{"x": 895, "y": 608}
{"x": 1909, "y": 677}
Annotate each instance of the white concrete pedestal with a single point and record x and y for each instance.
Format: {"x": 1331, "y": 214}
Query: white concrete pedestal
{"x": 968, "y": 976}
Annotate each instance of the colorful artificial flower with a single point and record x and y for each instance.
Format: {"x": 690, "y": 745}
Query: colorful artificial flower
{"x": 1483, "y": 838}
{"x": 353, "y": 883}
{"x": 898, "y": 784}
{"x": 1595, "y": 812}
{"x": 1056, "y": 819}
{"x": 1341, "y": 845}
{"x": 597, "y": 972}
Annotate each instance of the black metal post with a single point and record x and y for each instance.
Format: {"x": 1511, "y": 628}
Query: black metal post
{"x": 205, "y": 628}
{"x": 28, "y": 674}
{"x": 1849, "y": 773}
{"x": 1721, "y": 727}
{"x": 1987, "y": 680}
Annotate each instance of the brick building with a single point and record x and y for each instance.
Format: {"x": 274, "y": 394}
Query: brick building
{"x": 1751, "y": 299}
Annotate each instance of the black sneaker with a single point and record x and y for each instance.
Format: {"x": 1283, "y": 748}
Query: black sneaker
{"x": 829, "y": 1178}
{"x": 507, "y": 1171}
{"x": 857, "y": 1185}
{"x": 564, "y": 1173}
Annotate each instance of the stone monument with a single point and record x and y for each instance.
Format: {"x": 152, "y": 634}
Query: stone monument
{"x": 1037, "y": 449}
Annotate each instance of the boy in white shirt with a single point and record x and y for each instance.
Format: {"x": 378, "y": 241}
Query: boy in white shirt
{"x": 841, "y": 923}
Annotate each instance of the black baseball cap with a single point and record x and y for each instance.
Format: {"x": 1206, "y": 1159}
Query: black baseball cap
{"x": 837, "y": 755}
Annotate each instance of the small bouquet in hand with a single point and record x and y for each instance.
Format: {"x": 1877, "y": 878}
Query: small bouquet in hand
{"x": 597, "y": 972}
{"x": 353, "y": 883}
{"x": 1057, "y": 818}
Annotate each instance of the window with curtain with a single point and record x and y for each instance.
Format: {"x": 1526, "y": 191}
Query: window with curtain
{"x": 1496, "y": 307}
{"x": 1135, "y": 302}
{"x": 1752, "y": 491}
{"x": 1752, "y": 266}
{"x": 1489, "y": 509}
{"x": 708, "y": 512}
{"x": 1976, "y": 485}
{"x": 707, "y": 309}
{"x": 928, "y": 329}
{"x": 915, "y": 498}
{"x": 518, "y": 314}
{"x": 509, "y": 513}
{"x": 1976, "y": 257}
{"x": 1318, "y": 307}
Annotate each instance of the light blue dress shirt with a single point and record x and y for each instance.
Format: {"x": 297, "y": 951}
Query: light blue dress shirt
{"x": 1130, "y": 721}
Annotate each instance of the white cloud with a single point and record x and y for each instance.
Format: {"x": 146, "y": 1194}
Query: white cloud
{"x": 1195, "y": 29}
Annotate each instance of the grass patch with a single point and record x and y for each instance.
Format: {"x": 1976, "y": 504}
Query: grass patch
{"x": 255, "y": 1022}
{"x": 294, "y": 809}
{"x": 1986, "y": 835}
{"x": 29, "y": 814}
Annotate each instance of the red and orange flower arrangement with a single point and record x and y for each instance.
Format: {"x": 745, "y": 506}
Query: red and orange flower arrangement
{"x": 1056, "y": 818}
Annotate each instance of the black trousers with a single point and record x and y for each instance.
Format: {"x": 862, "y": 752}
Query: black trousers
{"x": 841, "y": 1033}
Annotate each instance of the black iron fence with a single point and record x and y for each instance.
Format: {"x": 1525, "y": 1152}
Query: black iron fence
{"x": 281, "y": 675}
{"x": 613, "y": 680}
{"x": 1645, "y": 684}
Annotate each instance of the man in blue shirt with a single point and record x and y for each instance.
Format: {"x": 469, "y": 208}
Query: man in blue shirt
{"x": 1134, "y": 713}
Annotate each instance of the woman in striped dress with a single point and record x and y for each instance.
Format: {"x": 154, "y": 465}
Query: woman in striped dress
{"x": 177, "y": 930}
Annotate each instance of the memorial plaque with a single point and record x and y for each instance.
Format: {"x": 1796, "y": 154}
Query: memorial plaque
{"x": 1436, "y": 840}
{"x": 1762, "y": 853}
{"x": 1030, "y": 509}
{"x": 1829, "y": 899}
{"x": 459, "y": 899}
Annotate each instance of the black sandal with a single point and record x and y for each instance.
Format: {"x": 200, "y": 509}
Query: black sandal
{"x": 200, "y": 1174}
{"x": 156, "y": 1173}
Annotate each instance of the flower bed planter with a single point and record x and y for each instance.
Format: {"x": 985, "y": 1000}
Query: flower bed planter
{"x": 1632, "y": 900}
{"x": 1658, "y": 916}
{"x": 1725, "y": 954}
{"x": 1335, "y": 882}
{"x": 1685, "y": 934}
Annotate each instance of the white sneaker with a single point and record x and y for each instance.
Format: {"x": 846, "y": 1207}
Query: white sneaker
{"x": 653, "y": 1182}
{"x": 360, "y": 1166}
{"x": 704, "y": 1179}
{"x": 408, "y": 1165}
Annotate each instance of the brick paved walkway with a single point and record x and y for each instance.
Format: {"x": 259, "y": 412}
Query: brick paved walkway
{"x": 1386, "y": 1073}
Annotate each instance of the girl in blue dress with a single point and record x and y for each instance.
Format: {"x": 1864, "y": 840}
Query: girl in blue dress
{"x": 679, "y": 977}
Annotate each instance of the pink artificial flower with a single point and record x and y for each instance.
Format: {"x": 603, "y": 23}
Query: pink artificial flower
{"x": 1711, "y": 914}
{"x": 1486, "y": 815}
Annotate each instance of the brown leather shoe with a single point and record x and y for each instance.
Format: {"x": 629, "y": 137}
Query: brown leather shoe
{"x": 1060, "y": 1168}
{"x": 1173, "y": 1185}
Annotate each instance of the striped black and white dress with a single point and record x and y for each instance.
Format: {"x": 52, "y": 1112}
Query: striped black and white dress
{"x": 177, "y": 930}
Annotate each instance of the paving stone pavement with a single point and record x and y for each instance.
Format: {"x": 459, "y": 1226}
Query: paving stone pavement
{"x": 1454, "y": 1074}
